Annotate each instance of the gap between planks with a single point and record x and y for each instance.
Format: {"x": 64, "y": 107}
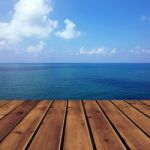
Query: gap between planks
{"x": 74, "y": 125}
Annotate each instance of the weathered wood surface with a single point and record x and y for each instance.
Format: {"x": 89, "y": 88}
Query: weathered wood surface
{"x": 74, "y": 125}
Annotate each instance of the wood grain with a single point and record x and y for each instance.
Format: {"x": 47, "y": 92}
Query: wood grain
{"x": 9, "y": 107}
{"x": 140, "y": 106}
{"x": 10, "y": 121}
{"x": 3, "y": 102}
{"x": 74, "y": 125}
{"x": 76, "y": 133}
{"x": 19, "y": 137}
{"x": 103, "y": 133}
{"x": 134, "y": 138}
{"x": 137, "y": 117}
{"x": 147, "y": 102}
{"x": 50, "y": 133}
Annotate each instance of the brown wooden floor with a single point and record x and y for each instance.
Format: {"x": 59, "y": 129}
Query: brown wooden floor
{"x": 74, "y": 125}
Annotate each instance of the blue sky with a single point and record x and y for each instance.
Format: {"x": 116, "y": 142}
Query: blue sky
{"x": 74, "y": 31}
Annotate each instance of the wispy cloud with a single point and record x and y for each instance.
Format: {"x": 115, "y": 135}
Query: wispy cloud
{"x": 99, "y": 51}
{"x": 145, "y": 18}
{"x": 36, "y": 48}
{"x": 139, "y": 50}
{"x": 70, "y": 31}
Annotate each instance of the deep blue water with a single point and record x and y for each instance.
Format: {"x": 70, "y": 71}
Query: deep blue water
{"x": 74, "y": 81}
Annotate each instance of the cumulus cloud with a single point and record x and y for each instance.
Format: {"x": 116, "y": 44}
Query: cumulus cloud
{"x": 145, "y": 18}
{"x": 70, "y": 31}
{"x": 99, "y": 51}
{"x": 36, "y": 48}
{"x": 29, "y": 19}
{"x": 139, "y": 50}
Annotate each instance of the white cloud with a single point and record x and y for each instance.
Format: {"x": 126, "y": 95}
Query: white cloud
{"x": 113, "y": 51}
{"x": 145, "y": 18}
{"x": 8, "y": 46}
{"x": 99, "y": 51}
{"x": 70, "y": 31}
{"x": 139, "y": 50}
{"x": 29, "y": 19}
{"x": 36, "y": 48}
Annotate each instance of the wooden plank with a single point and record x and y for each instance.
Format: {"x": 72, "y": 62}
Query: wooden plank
{"x": 50, "y": 133}
{"x": 133, "y": 137}
{"x": 137, "y": 117}
{"x": 140, "y": 106}
{"x": 76, "y": 133}
{"x": 9, "y": 107}
{"x": 3, "y": 102}
{"x": 19, "y": 137}
{"x": 8, "y": 122}
{"x": 147, "y": 102}
{"x": 103, "y": 133}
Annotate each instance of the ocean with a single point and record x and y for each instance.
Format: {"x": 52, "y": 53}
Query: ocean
{"x": 74, "y": 81}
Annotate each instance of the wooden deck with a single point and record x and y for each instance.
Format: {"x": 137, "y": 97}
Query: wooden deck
{"x": 74, "y": 125}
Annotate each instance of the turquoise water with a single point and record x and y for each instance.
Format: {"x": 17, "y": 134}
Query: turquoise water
{"x": 74, "y": 81}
